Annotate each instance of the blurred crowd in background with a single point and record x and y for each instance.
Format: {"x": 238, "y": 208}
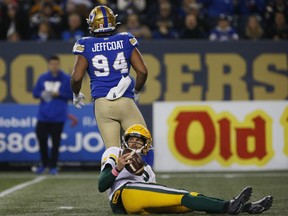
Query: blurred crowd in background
{"x": 215, "y": 20}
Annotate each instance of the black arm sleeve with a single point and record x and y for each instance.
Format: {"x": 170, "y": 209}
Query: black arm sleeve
{"x": 106, "y": 178}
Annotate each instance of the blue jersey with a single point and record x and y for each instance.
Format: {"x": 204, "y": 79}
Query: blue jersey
{"x": 108, "y": 60}
{"x": 56, "y": 109}
{"x": 219, "y": 34}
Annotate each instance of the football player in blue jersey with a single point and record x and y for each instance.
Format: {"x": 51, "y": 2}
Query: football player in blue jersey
{"x": 107, "y": 58}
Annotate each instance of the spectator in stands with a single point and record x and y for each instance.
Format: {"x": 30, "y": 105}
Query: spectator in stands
{"x": 81, "y": 7}
{"x": 164, "y": 24}
{"x": 131, "y": 5}
{"x": 165, "y": 30}
{"x": 69, "y": 7}
{"x": 56, "y": 12}
{"x": 214, "y": 8}
{"x": 14, "y": 37}
{"x": 253, "y": 29}
{"x": 274, "y": 6}
{"x": 245, "y": 9}
{"x": 133, "y": 25}
{"x": 46, "y": 12}
{"x": 279, "y": 29}
{"x": 109, "y": 3}
{"x": 191, "y": 7}
{"x": 186, "y": 7}
{"x": 191, "y": 29}
{"x": 125, "y": 7}
{"x": 156, "y": 11}
{"x": 44, "y": 32}
{"x": 74, "y": 31}
{"x": 13, "y": 21}
{"x": 223, "y": 31}
{"x": 86, "y": 3}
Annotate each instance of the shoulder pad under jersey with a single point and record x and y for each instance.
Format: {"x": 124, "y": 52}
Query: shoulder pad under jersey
{"x": 133, "y": 41}
{"x": 79, "y": 46}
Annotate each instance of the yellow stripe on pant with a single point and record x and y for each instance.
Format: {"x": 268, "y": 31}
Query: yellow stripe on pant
{"x": 143, "y": 198}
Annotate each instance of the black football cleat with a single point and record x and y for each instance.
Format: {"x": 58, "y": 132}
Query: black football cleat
{"x": 259, "y": 206}
{"x": 237, "y": 203}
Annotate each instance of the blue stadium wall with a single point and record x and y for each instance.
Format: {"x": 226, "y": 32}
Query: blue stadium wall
{"x": 178, "y": 71}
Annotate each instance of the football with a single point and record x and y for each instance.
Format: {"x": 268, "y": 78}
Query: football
{"x": 137, "y": 165}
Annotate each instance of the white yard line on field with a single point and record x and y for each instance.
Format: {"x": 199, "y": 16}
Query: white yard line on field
{"x": 66, "y": 207}
{"x": 21, "y": 186}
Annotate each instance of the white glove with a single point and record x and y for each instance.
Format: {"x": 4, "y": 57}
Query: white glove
{"x": 136, "y": 96}
{"x": 46, "y": 96}
{"x": 78, "y": 100}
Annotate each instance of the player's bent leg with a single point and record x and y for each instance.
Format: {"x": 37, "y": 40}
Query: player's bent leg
{"x": 141, "y": 198}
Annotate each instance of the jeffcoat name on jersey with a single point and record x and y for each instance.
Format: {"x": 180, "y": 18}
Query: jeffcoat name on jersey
{"x": 113, "y": 45}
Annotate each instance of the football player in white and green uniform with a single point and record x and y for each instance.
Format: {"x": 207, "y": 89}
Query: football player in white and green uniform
{"x": 133, "y": 194}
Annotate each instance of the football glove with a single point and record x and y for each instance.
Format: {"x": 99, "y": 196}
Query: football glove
{"x": 78, "y": 100}
{"x": 136, "y": 96}
{"x": 46, "y": 96}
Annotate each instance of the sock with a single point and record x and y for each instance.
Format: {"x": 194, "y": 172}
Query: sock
{"x": 203, "y": 203}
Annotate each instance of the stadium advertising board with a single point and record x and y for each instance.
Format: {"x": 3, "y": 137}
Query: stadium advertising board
{"x": 178, "y": 70}
{"x": 18, "y": 140}
{"x": 218, "y": 136}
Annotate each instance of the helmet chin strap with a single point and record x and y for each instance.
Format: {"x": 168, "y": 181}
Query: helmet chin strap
{"x": 124, "y": 144}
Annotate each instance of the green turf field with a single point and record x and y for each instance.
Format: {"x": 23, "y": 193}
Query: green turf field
{"x": 75, "y": 193}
